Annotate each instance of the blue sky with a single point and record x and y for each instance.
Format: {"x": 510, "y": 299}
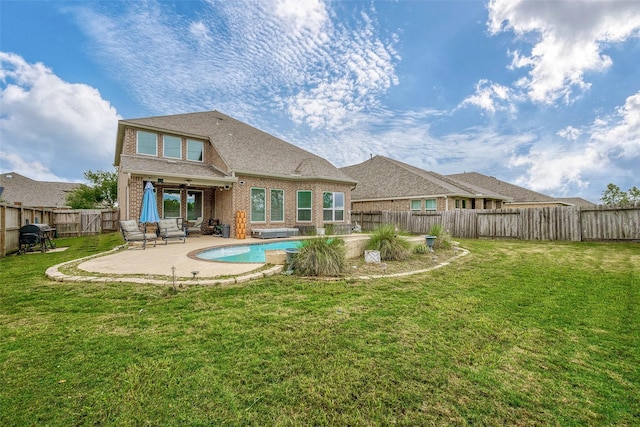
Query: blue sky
{"x": 543, "y": 94}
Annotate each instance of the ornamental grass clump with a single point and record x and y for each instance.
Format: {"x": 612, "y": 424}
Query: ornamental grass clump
{"x": 320, "y": 256}
{"x": 443, "y": 238}
{"x": 392, "y": 247}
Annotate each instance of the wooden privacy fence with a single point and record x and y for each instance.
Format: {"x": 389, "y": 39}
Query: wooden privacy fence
{"x": 85, "y": 222}
{"x": 551, "y": 223}
{"x": 66, "y": 222}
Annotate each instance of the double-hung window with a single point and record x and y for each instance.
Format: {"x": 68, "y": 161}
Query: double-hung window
{"x": 195, "y": 150}
{"x": 416, "y": 205}
{"x": 303, "y": 206}
{"x": 172, "y": 146}
{"x": 258, "y": 204}
{"x": 277, "y": 205}
{"x": 147, "y": 143}
{"x": 332, "y": 206}
{"x": 430, "y": 204}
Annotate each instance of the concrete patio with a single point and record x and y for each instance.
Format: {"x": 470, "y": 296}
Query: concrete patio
{"x": 154, "y": 265}
{"x": 159, "y": 260}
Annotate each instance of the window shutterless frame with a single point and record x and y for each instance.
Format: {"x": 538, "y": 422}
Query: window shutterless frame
{"x": 258, "y": 205}
{"x": 146, "y": 143}
{"x": 304, "y": 206}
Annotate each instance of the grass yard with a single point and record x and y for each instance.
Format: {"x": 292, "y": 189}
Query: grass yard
{"x": 516, "y": 333}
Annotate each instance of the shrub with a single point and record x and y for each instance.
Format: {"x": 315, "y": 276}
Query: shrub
{"x": 320, "y": 256}
{"x": 443, "y": 240}
{"x": 392, "y": 247}
{"x": 421, "y": 249}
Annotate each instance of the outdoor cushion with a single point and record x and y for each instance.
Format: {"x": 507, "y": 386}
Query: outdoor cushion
{"x": 168, "y": 229}
{"x": 196, "y": 227}
{"x": 131, "y": 233}
{"x": 271, "y": 233}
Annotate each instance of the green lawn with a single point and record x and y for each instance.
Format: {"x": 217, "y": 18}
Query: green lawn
{"x": 516, "y": 333}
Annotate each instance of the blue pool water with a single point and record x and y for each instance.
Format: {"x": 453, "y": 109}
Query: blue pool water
{"x": 245, "y": 253}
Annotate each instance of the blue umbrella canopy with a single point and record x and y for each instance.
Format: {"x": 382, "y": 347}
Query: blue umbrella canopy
{"x": 149, "y": 211}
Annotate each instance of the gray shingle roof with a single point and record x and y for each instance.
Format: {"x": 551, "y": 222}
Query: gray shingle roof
{"x": 576, "y": 201}
{"x": 154, "y": 166}
{"x": 243, "y": 148}
{"x": 20, "y": 189}
{"x": 385, "y": 178}
{"x": 516, "y": 193}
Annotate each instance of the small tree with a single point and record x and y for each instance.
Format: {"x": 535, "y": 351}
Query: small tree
{"x": 634, "y": 196}
{"x": 613, "y": 196}
{"x": 101, "y": 193}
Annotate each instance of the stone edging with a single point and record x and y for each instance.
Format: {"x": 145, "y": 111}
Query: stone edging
{"x": 54, "y": 273}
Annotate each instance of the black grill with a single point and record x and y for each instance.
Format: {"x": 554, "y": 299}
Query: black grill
{"x": 35, "y": 236}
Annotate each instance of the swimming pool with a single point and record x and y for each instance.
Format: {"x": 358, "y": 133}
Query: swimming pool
{"x": 245, "y": 253}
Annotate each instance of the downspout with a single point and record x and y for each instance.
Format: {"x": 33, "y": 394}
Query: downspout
{"x": 127, "y": 196}
{"x": 446, "y": 203}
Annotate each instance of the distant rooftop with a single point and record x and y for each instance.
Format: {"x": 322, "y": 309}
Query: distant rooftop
{"x": 28, "y": 192}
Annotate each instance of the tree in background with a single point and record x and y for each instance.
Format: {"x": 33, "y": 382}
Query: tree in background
{"x": 613, "y": 196}
{"x": 101, "y": 193}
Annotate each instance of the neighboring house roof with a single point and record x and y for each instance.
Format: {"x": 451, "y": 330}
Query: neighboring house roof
{"x": 243, "y": 148}
{"x": 382, "y": 178}
{"x": 20, "y": 189}
{"x": 516, "y": 193}
{"x": 576, "y": 201}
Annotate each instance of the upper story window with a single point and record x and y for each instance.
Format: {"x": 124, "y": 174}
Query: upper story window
{"x": 195, "y": 150}
{"x": 416, "y": 205}
{"x": 332, "y": 206}
{"x": 172, "y": 146}
{"x": 147, "y": 143}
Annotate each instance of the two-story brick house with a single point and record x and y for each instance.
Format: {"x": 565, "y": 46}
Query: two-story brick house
{"x": 211, "y": 165}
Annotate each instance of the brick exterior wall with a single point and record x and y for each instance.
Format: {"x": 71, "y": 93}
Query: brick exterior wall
{"x": 222, "y": 204}
{"x": 242, "y": 200}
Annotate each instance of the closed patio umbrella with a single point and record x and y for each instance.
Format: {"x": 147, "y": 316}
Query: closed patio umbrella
{"x": 149, "y": 211}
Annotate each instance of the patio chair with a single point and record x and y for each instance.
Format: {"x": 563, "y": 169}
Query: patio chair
{"x": 132, "y": 233}
{"x": 168, "y": 229}
{"x": 196, "y": 227}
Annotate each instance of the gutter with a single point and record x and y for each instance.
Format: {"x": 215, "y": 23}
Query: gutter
{"x": 292, "y": 177}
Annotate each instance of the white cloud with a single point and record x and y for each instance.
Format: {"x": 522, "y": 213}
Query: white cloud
{"x": 200, "y": 32}
{"x": 309, "y": 15}
{"x": 293, "y": 53}
{"x": 619, "y": 135}
{"x": 570, "y": 39}
{"x": 570, "y": 133}
{"x": 50, "y": 127}
{"x": 553, "y": 169}
{"x": 491, "y": 97}
{"x": 612, "y": 144}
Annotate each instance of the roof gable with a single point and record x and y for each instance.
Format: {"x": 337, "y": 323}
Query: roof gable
{"x": 243, "y": 148}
